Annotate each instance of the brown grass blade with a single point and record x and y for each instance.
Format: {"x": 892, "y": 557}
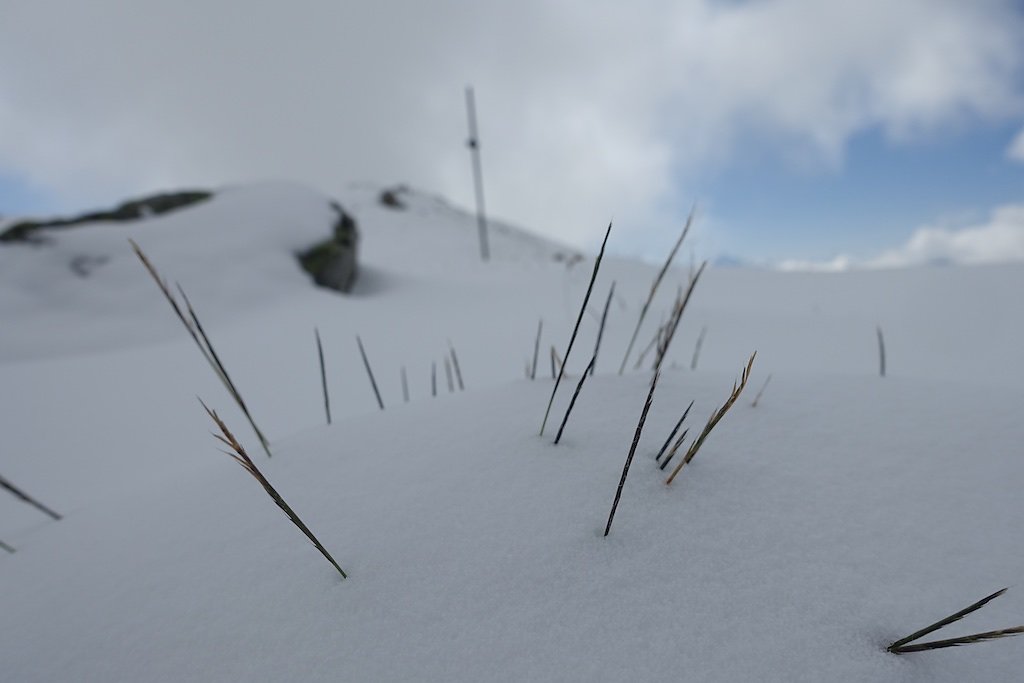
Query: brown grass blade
{"x": 654, "y": 286}
{"x": 243, "y": 459}
{"x": 632, "y": 452}
{"x": 576, "y": 329}
{"x": 714, "y": 419}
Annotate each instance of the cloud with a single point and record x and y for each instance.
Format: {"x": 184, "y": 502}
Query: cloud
{"x": 1000, "y": 239}
{"x": 588, "y": 108}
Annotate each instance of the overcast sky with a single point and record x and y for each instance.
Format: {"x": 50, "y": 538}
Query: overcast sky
{"x": 807, "y": 130}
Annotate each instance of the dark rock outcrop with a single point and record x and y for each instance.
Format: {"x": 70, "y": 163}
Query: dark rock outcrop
{"x": 332, "y": 263}
{"x": 29, "y": 231}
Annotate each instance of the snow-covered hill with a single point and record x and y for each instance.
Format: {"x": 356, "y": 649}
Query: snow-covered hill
{"x": 843, "y": 512}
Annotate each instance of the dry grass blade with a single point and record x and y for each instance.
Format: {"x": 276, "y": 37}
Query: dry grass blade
{"x": 448, "y": 374}
{"x": 369, "y": 371}
{"x": 405, "y": 386}
{"x": 674, "y": 430}
{"x": 555, "y": 363}
{"x": 677, "y": 315}
{"x": 632, "y": 452}
{"x": 714, "y": 419}
{"x": 243, "y": 459}
{"x": 696, "y": 348}
{"x": 536, "y": 351}
{"x": 763, "y": 387}
{"x": 881, "y": 351}
{"x": 433, "y": 379}
{"x": 963, "y": 640}
{"x": 652, "y": 344}
{"x": 323, "y": 375}
{"x": 25, "y": 498}
{"x": 956, "y": 616}
{"x": 575, "y": 394}
{"x": 654, "y": 287}
{"x": 455, "y": 366}
{"x": 6, "y": 547}
{"x": 600, "y": 330}
{"x": 202, "y": 341}
{"x": 675, "y": 448}
{"x": 576, "y": 329}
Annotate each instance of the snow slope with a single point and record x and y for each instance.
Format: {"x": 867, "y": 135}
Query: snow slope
{"x": 843, "y": 512}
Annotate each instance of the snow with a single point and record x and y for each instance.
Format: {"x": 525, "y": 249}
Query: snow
{"x": 843, "y": 512}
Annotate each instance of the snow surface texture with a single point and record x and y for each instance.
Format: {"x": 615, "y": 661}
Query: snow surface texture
{"x": 843, "y": 512}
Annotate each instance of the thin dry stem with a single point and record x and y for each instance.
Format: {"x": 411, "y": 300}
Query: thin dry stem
{"x": 677, "y": 315}
{"x": 654, "y": 286}
{"x": 763, "y": 387}
{"x": 674, "y": 430}
{"x": 714, "y": 419}
{"x": 25, "y": 498}
{"x": 696, "y": 348}
{"x": 576, "y": 329}
{"x": 632, "y": 452}
{"x": 600, "y": 330}
{"x": 455, "y": 366}
{"x": 323, "y": 375}
{"x": 369, "y": 371}
{"x": 6, "y": 547}
{"x": 536, "y": 351}
{"x": 898, "y": 646}
{"x": 575, "y": 394}
{"x": 242, "y": 458}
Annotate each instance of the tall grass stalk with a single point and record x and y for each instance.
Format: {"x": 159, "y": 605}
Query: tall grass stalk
{"x": 25, "y": 498}
{"x": 575, "y": 394}
{"x": 881, "y": 351}
{"x": 902, "y": 645}
{"x": 448, "y": 375}
{"x": 323, "y": 375}
{"x": 714, "y": 419}
{"x": 242, "y": 458}
{"x": 761, "y": 391}
{"x": 696, "y": 348}
{"x": 677, "y": 314}
{"x": 632, "y": 452}
{"x": 600, "y": 330}
{"x": 576, "y": 329}
{"x": 202, "y": 341}
{"x": 654, "y": 287}
{"x": 369, "y": 372}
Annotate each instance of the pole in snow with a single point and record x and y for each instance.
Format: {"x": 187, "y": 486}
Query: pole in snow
{"x": 478, "y": 177}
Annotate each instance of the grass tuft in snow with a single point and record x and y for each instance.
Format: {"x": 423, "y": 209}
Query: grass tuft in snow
{"x": 600, "y": 329}
{"x": 369, "y": 371}
{"x": 198, "y": 334}
{"x": 903, "y": 645}
{"x": 632, "y": 452}
{"x": 654, "y": 286}
{"x": 242, "y": 458}
{"x": 673, "y": 433}
{"x": 673, "y": 320}
{"x": 576, "y": 329}
{"x": 714, "y": 419}
{"x": 575, "y": 395}
{"x": 25, "y": 498}
{"x": 323, "y": 375}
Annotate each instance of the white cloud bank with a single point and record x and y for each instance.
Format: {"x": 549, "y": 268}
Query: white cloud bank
{"x": 1000, "y": 239}
{"x": 589, "y": 108}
